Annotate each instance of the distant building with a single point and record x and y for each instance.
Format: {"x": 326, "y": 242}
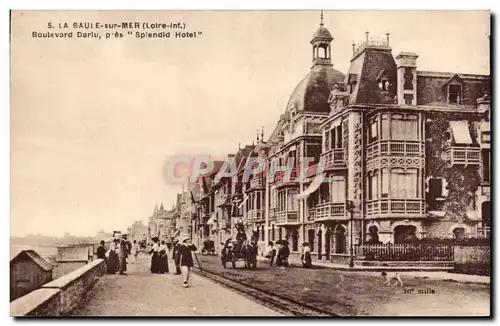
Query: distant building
{"x": 161, "y": 224}
{"x": 28, "y": 272}
{"x": 137, "y": 231}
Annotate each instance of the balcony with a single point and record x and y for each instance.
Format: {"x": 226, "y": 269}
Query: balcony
{"x": 255, "y": 215}
{"x": 334, "y": 158}
{"x": 257, "y": 182}
{"x": 394, "y": 147}
{"x": 330, "y": 212}
{"x": 386, "y": 207}
{"x": 462, "y": 155}
{"x": 288, "y": 218}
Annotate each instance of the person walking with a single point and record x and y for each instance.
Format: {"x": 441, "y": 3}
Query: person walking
{"x": 176, "y": 256}
{"x": 186, "y": 258}
{"x": 271, "y": 253}
{"x": 135, "y": 251}
{"x": 122, "y": 257}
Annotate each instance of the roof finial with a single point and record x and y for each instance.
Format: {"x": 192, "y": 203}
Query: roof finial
{"x": 239, "y": 145}
{"x": 262, "y": 134}
{"x": 367, "y": 35}
{"x": 387, "y": 34}
{"x": 257, "y": 136}
{"x": 321, "y": 23}
{"x": 353, "y": 47}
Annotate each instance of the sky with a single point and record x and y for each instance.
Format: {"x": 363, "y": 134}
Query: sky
{"x": 94, "y": 121}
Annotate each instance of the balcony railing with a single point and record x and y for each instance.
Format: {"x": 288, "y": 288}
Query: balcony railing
{"x": 288, "y": 218}
{"x": 386, "y": 206}
{"x": 255, "y": 215}
{"x": 333, "y": 158}
{"x": 394, "y": 147}
{"x": 257, "y": 182}
{"x": 463, "y": 155}
{"x": 330, "y": 211}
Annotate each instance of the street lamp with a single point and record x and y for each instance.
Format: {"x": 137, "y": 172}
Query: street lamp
{"x": 350, "y": 209}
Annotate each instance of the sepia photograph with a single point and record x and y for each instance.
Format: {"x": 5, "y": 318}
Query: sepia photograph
{"x": 270, "y": 163}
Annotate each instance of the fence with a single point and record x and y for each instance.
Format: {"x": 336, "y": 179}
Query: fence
{"x": 405, "y": 252}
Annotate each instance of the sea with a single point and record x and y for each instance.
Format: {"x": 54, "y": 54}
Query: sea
{"x": 47, "y": 252}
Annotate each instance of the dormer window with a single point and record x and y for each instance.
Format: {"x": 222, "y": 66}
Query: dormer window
{"x": 353, "y": 80}
{"x": 453, "y": 88}
{"x": 454, "y": 94}
{"x": 383, "y": 81}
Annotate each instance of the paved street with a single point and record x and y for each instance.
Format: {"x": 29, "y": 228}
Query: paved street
{"x": 144, "y": 294}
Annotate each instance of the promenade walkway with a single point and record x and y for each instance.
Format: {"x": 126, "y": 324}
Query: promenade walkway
{"x": 141, "y": 293}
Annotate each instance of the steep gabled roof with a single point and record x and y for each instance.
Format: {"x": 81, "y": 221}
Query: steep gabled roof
{"x": 35, "y": 257}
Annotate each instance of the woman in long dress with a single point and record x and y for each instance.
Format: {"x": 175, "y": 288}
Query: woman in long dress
{"x": 112, "y": 259}
{"x": 162, "y": 258}
{"x": 154, "y": 256}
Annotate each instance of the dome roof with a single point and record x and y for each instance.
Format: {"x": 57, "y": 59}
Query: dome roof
{"x": 312, "y": 93}
{"x": 322, "y": 32}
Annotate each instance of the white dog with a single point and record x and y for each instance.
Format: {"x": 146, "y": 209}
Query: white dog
{"x": 392, "y": 276}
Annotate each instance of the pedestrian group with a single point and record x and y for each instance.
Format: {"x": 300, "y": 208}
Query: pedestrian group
{"x": 120, "y": 250}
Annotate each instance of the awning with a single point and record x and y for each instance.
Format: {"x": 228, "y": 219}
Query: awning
{"x": 312, "y": 187}
{"x": 461, "y": 133}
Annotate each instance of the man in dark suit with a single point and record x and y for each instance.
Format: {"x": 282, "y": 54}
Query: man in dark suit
{"x": 122, "y": 257}
{"x": 101, "y": 251}
{"x": 176, "y": 255}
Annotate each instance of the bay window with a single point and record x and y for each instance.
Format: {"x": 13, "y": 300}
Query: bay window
{"x": 373, "y": 131}
{"x": 404, "y": 184}
{"x": 404, "y": 127}
{"x": 384, "y": 193}
{"x": 385, "y": 124}
{"x": 337, "y": 190}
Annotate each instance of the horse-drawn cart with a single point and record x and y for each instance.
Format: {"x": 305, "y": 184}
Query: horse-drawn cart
{"x": 240, "y": 249}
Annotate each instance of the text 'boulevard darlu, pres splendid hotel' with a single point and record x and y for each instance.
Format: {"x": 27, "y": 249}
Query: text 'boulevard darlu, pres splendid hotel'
{"x": 409, "y": 149}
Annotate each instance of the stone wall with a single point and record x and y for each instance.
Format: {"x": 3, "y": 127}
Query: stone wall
{"x": 59, "y": 297}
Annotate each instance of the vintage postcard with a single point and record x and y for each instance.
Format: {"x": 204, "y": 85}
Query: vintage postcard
{"x": 250, "y": 163}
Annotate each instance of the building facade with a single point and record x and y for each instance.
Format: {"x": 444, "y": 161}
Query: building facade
{"x": 406, "y": 155}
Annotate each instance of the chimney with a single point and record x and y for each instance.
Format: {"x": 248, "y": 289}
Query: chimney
{"x": 407, "y": 78}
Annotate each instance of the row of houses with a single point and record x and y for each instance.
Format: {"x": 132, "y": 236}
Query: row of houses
{"x": 406, "y": 153}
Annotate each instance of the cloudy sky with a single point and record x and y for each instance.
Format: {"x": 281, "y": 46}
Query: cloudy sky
{"x": 94, "y": 121}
